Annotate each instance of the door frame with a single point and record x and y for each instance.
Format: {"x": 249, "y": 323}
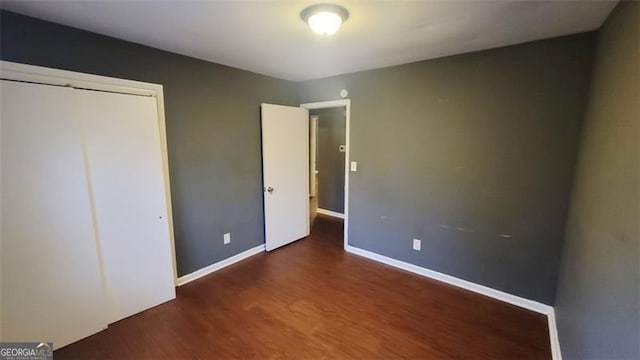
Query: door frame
{"x": 313, "y": 154}
{"x": 56, "y": 77}
{"x": 346, "y": 103}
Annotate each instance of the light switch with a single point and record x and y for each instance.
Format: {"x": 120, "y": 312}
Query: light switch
{"x": 354, "y": 166}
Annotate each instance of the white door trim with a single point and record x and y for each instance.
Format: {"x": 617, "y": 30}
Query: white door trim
{"x": 49, "y": 76}
{"x": 347, "y": 156}
{"x": 313, "y": 154}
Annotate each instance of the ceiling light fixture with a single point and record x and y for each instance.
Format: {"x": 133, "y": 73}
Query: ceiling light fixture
{"x": 324, "y": 19}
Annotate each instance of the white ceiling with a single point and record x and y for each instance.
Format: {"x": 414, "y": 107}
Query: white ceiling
{"x": 268, "y": 37}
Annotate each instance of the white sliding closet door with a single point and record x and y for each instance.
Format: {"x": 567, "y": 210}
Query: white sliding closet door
{"x": 125, "y": 168}
{"x": 51, "y": 282}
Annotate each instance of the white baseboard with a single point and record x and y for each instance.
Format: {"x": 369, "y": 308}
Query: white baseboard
{"x": 556, "y": 354}
{"x": 330, "y": 213}
{"x": 219, "y": 265}
{"x": 477, "y": 288}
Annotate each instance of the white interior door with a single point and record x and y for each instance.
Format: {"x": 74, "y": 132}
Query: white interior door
{"x": 285, "y": 163}
{"x": 125, "y": 167}
{"x": 51, "y": 282}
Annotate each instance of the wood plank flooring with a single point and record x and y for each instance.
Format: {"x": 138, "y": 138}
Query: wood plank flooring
{"x": 311, "y": 300}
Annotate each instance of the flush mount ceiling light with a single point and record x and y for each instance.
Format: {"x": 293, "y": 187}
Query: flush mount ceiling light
{"x": 324, "y": 19}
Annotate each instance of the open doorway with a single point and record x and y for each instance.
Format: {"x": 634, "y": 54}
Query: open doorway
{"x": 328, "y": 131}
{"x": 328, "y": 160}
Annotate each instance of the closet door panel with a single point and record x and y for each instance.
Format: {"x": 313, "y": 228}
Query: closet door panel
{"x": 126, "y": 175}
{"x": 51, "y": 281}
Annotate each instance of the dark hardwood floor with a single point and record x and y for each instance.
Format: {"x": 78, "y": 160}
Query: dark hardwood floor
{"x": 312, "y": 300}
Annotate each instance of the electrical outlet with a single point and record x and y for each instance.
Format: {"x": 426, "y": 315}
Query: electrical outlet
{"x": 227, "y": 238}
{"x": 417, "y": 244}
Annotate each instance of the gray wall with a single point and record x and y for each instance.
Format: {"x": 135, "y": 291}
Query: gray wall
{"x": 330, "y": 161}
{"x": 598, "y": 303}
{"x": 213, "y": 128}
{"x": 474, "y": 154}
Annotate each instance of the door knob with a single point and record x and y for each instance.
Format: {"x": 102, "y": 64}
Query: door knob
{"x": 270, "y": 190}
